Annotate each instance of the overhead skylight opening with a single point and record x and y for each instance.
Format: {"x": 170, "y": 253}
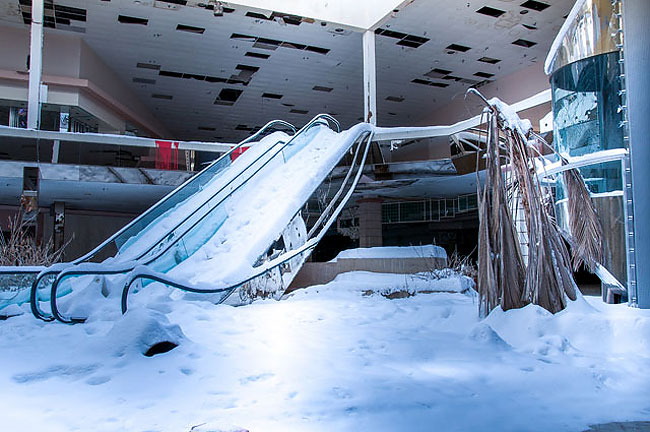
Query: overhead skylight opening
{"x": 273, "y": 44}
{"x": 437, "y": 73}
{"x": 457, "y": 47}
{"x": 489, "y": 60}
{"x": 411, "y": 41}
{"x": 257, "y": 55}
{"x": 429, "y": 83}
{"x": 272, "y": 96}
{"x": 144, "y": 81}
{"x": 486, "y": 10}
{"x": 148, "y": 66}
{"x": 228, "y": 96}
{"x": 535, "y": 5}
{"x": 125, "y": 19}
{"x": 190, "y": 29}
{"x": 524, "y": 43}
{"x": 176, "y": 2}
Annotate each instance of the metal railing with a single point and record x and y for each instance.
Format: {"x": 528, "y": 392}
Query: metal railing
{"x": 328, "y": 216}
{"x": 86, "y": 269}
{"x": 147, "y": 217}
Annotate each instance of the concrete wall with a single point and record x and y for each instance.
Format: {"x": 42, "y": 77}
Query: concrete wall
{"x": 320, "y": 273}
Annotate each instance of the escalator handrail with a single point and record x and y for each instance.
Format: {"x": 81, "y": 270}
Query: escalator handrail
{"x": 144, "y": 272}
{"x": 253, "y": 137}
{"x": 57, "y": 269}
{"x": 129, "y": 266}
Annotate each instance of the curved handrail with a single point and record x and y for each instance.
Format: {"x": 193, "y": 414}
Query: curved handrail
{"x": 145, "y": 273}
{"x": 129, "y": 266}
{"x": 58, "y": 269}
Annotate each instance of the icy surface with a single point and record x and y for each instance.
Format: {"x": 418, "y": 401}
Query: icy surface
{"x": 330, "y": 358}
{"x": 426, "y": 251}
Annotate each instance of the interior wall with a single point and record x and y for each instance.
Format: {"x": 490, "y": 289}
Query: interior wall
{"x": 69, "y": 56}
{"x": 510, "y": 89}
{"x": 96, "y": 71}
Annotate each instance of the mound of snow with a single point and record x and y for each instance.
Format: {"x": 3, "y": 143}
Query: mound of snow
{"x": 140, "y": 330}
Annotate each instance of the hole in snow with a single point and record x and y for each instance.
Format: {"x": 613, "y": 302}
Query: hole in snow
{"x": 160, "y": 348}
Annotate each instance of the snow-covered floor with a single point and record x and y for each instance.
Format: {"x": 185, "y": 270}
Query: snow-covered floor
{"x": 332, "y": 358}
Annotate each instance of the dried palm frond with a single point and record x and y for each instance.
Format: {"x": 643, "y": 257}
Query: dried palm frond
{"x": 547, "y": 279}
{"x": 501, "y": 277}
{"x": 586, "y": 230}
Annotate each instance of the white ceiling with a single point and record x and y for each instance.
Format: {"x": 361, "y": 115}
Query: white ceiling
{"x": 293, "y": 73}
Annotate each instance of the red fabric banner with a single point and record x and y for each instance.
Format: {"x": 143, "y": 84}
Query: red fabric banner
{"x": 234, "y": 155}
{"x": 166, "y": 155}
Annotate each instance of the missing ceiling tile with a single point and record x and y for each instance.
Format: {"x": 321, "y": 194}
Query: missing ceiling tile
{"x": 391, "y": 34}
{"x": 484, "y": 74}
{"x": 257, "y": 55}
{"x": 272, "y": 96}
{"x": 535, "y": 5}
{"x": 457, "y": 47}
{"x": 489, "y": 60}
{"x": 298, "y": 111}
{"x": 437, "y": 73}
{"x": 429, "y": 83}
{"x": 322, "y": 89}
{"x": 144, "y": 81}
{"x": 170, "y": 74}
{"x": 162, "y": 96}
{"x": 317, "y": 50}
{"x": 228, "y": 96}
{"x": 125, "y": 19}
{"x": 487, "y": 10}
{"x": 395, "y": 99}
{"x": 190, "y": 29}
{"x": 148, "y": 66}
{"x": 407, "y": 40}
{"x": 524, "y": 43}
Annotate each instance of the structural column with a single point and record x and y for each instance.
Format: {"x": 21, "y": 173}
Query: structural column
{"x": 636, "y": 15}
{"x": 35, "y": 66}
{"x": 369, "y": 78}
{"x": 370, "y": 234}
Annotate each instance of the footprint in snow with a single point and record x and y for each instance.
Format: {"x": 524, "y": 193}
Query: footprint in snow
{"x": 341, "y": 393}
{"x": 98, "y": 380}
{"x": 61, "y": 371}
{"x": 255, "y": 378}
